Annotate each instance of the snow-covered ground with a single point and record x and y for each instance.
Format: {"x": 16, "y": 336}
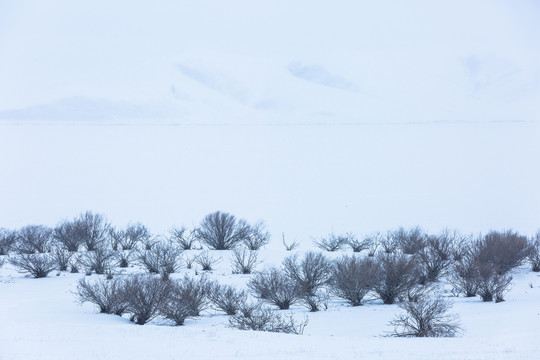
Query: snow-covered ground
{"x": 41, "y": 319}
{"x": 313, "y": 116}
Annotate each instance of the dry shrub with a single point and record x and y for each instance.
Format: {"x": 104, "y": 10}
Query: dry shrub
{"x": 243, "y": 261}
{"x": 221, "y": 231}
{"x": 396, "y": 275}
{"x": 226, "y": 298}
{"x": 502, "y": 250}
{"x": 100, "y": 260}
{"x": 353, "y": 278}
{"x": 332, "y": 242}
{"x": 310, "y": 274}
{"x": 255, "y": 317}
{"x": 35, "y": 265}
{"x": 144, "y": 296}
{"x": 428, "y": 317}
{"x": 275, "y": 288}
{"x": 33, "y": 239}
{"x": 108, "y": 295}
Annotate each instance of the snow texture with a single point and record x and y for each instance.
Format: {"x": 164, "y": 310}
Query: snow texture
{"x": 355, "y": 116}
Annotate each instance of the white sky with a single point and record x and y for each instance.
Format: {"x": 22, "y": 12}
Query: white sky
{"x": 403, "y": 60}
{"x": 448, "y": 94}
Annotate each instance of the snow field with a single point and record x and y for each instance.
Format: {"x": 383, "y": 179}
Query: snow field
{"x": 42, "y": 319}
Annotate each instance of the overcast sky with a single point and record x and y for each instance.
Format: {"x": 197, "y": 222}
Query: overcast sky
{"x": 412, "y": 113}
{"x": 301, "y": 61}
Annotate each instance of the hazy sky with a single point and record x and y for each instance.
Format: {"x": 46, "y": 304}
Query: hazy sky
{"x": 299, "y": 61}
{"x": 406, "y": 113}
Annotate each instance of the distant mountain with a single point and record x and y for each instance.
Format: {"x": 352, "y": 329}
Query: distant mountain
{"x": 241, "y": 62}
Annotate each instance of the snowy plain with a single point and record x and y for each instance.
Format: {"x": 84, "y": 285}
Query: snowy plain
{"x": 43, "y": 320}
{"x": 355, "y": 117}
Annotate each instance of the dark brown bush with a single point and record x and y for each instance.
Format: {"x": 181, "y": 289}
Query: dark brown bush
{"x": 396, "y": 275}
{"x": 94, "y": 229}
{"x": 8, "y": 240}
{"x": 108, "y": 295}
{"x": 33, "y": 239}
{"x": 274, "y": 287}
{"x": 435, "y": 258}
{"x": 221, "y": 231}
{"x": 35, "y": 265}
{"x": 409, "y": 241}
{"x": 226, "y": 298}
{"x": 255, "y": 317}
{"x": 144, "y": 297}
{"x": 427, "y": 317}
{"x": 502, "y": 250}
{"x": 332, "y": 242}
{"x": 353, "y": 278}
{"x": 310, "y": 274}
{"x": 243, "y": 261}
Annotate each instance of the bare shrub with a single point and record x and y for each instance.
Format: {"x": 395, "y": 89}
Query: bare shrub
{"x": 123, "y": 258}
{"x": 69, "y": 234}
{"x": 176, "y": 307}
{"x": 108, "y": 295}
{"x": 34, "y": 239}
{"x": 134, "y": 234}
{"x": 62, "y": 257}
{"x": 434, "y": 258}
{"x": 257, "y": 236}
{"x": 255, "y": 317}
{"x": 357, "y": 244}
{"x": 187, "y": 298}
{"x": 243, "y": 261}
{"x": 459, "y": 244}
{"x": 427, "y": 317}
{"x": 503, "y": 250}
{"x": 163, "y": 258}
{"x": 8, "y": 240}
{"x": 464, "y": 275}
{"x": 311, "y": 273}
{"x": 94, "y": 229}
{"x": 221, "y": 231}
{"x": 116, "y": 236}
{"x": 477, "y": 274}
{"x": 150, "y": 260}
{"x": 275, "y": 288}
{"x": 100, "y": 260}
{"x": 492, "y": 285}
{"x": 534, "y": 252}
{"x": 353, "y": 278}
{"x": 144, "y": 297}
{"x": 226, "y": 298}
{"x": 332, "y": 242}
{"x": 375, "y": 240}
{"x": 409, "y": 241}
{"x": 417, "y": 291}
{"x": 196, "y": 289}
{"x": 316, "y": 301}
{"x": 185, "y": 239}
{"x": 74, "y": 263}
{"x": 291, "y": 246}
{"x": 207, "y": 261}
{"x": 396, "y": 274}
{"x": 148, "y": 243}
{"x": 35, "y": 265}
{"x": 388, "y": 243}
{"x": 189, "y": 260}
